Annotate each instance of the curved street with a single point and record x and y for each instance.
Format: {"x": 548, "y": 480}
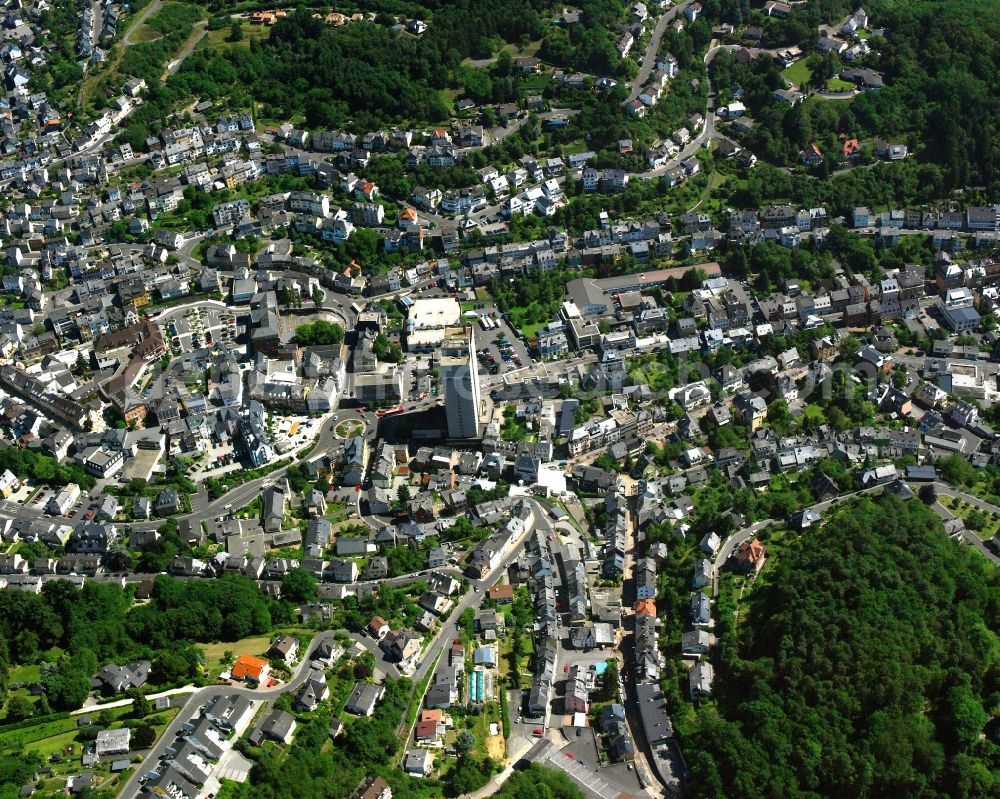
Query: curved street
{"x": 429, "y": 657}
{"x": 653, "y": 49}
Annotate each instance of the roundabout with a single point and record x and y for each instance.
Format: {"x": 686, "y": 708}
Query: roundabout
{"x": 349, "y": 428}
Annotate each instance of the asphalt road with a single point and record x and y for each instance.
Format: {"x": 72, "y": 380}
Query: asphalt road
{"x": 431, "y": 653}
{"x": 199, "y": 698}
{"x": 968, "y": 536}
{"x": 652, "y": 50}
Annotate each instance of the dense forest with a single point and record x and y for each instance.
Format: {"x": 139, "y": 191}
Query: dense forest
{"x": 83, "y": 629}
{"x": 866, "y": 664}
{"x": 938, "y": 60}
{"x": 329, "y": 74}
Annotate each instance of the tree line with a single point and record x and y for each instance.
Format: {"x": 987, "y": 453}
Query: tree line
{"x": 866, "y": 663}
{"x": 83, "y": 629}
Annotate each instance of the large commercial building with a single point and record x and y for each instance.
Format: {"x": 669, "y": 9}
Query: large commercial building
{"x": 460, "y": 380}
{"x": 428, "y": 321}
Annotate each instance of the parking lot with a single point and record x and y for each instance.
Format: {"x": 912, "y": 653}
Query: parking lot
{"x": 220, "y": 457}
{"x": 417, "y": 381}
{"x": 190, "y": 329}
{"x": 499, "y": 349}
{"x": 83, "y": 509}
{"x": 584, "y": 774}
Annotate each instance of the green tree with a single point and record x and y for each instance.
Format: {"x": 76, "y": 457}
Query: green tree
{"x": 610, "y": 685}
{"x": 963, "y": 714}
{"x": 143, "y": 737}
{"x": 319, "y": 332}
{"x": 848, "y": 347}
{"x": 916, "y": 723}
{"x": 19, "y": 707}
{"x": 538, "y": 782}
{"x": 298, "y": 585}
{"x": 465, "y": 742}
{"x": 141, "y": 706}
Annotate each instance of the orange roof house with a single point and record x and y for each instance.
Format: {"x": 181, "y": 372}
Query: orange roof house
{"x": 501, "y": 593}
{"x": 749, "y": 557}
{"x": 431, "y": 715}
{"x": 267, "y": 17}
{"x": 378, "y": 627}
{"x": 851, "y": 148}
{"x": 645, "y": 607}
{"x": 248, "y": 667}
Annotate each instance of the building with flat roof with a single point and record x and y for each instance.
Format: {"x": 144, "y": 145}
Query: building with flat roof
{"x": 460, "y": 381}
{"x": 427, "y": 321}
{"x": 112, "y": 742}
{"x": 593, "y": 296}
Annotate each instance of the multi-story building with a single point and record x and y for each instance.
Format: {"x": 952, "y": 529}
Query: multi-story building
{"x": 460, "y": 379}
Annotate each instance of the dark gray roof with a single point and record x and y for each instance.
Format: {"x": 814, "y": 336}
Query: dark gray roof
{"x": 656, "y": 724}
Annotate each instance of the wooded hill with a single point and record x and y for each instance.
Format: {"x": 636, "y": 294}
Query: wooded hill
{"x": 866, "y": 663}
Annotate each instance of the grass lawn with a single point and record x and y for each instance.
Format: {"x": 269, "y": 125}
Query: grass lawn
{"x": 256, "y": 645}
{"x": 575, "y": 146}
{"x": 26, "y": 674}
{"x": 166, "y": 717}
{"x": 26, "y": 736}
{"x": 530, "y": 330}
{"x": 530, "y": 49}
{"x": 216, "y": 40}
{"x": 144, "y": 34}
{"x": 990, "y": 525}
{"x": 838, "y": 85}
{"x": 814, "y": 413}
{"x": 49, "y": 737}
{"x": 349, "y": 428}
{"x": 485, "y": 743}
{"x": 798, "y": 73}
{"x": 815, "y": 98}
{"x": 55, "y": 744}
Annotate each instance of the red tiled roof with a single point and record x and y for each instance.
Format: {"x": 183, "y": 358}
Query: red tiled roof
{"x": 645, "y": 607}
{"x": 751, "y": 551}
{"x": 501, "y": 592}
{"x": 248, "y": 666}
{"x": 425, "y": 729}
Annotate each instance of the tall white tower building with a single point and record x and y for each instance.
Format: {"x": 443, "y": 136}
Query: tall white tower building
{"x": 460, "y": 382}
